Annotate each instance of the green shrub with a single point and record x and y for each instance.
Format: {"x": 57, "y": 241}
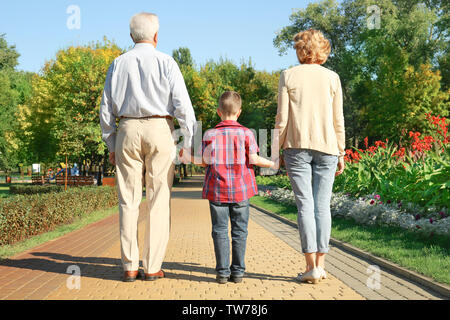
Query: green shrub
{"x": 23, "y": 216}
{"x": 279, "y": 181}
{"x": 27, "y": 189}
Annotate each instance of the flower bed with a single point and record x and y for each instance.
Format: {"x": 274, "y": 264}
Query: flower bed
{"x": 405, "y": 184}
{"x": 371, "y": 211}
{"x": 415, "y": 170}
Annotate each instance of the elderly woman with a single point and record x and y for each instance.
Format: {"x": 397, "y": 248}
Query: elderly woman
{"x": 310, "y": 121}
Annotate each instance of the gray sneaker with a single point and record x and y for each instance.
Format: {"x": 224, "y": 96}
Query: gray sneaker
{"x": 221, "y": 279}
{"x": 236, "y": 279}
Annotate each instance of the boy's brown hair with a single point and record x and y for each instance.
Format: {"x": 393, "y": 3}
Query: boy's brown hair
{"x": 230, "y": 103}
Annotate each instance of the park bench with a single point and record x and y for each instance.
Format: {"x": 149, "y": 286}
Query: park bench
{"x": 76, "y": 180}
{"x": 38, "y": 180}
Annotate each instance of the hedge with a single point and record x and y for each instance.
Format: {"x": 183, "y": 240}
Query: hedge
{"x": 35, "y": 189}
{"x": 23, "y": 216}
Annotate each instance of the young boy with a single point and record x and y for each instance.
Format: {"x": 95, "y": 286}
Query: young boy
{"x": 229, "y": 153}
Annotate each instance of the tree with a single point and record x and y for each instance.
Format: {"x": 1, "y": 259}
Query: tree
{"x": 14, "y": 89}
{"x": 183, "y": 57}
{"x": 412, "y": 94}
{"x": 206, "y": 84}
{"x": 444, "y": 67}
{"x": 412, "y": 33}
{"x": 62, "y": 117}
{"x": 8, "y": 55}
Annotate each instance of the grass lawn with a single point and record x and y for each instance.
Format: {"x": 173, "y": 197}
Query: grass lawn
{"x": 4, "y": 190}
{"x": 429, "y": 256}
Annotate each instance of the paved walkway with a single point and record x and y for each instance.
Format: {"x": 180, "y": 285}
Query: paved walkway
{"x": 272, "y": 260}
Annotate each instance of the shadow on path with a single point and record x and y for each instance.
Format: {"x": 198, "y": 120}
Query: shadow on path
{"x": 179, "y": 190}
{"x": 111, "y": 269}
{"x": 107, "y": 268}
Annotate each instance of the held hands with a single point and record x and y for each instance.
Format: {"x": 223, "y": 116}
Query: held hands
{"x": 185, "y": 156}
{"x": 277, "y": 163}
{"x": 112, "y": 158}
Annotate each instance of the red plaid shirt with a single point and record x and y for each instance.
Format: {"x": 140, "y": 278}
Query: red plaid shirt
{"x": 229, "y": 176}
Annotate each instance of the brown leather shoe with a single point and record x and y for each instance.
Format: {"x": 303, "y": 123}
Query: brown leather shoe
{"x": 154, "y": 276}
{"x": 130, "y": 276}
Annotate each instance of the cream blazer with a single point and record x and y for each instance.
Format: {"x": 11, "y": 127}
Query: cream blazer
{"x": 310, "y": 110}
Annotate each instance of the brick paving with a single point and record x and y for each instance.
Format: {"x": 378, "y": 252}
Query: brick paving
{"x": 272, "y": 260}
{"x": 351, "y": 269}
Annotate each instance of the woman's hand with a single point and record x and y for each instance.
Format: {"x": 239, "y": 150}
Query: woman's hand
{"x": 112, "y": 158}
{"x": 341, "y": 167}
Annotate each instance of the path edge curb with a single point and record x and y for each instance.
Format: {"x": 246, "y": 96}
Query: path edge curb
{"x": 442, "y": 289}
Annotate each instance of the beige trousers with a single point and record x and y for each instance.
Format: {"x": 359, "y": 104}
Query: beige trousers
{"x": 146, "y": 150}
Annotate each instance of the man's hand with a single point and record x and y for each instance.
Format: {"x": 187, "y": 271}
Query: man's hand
{"x": 341, "y": 167}
{"x": 185, "y": 156}
{"x": 112, "y": 158}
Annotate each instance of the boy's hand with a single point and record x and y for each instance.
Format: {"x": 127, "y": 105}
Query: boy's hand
{"x": 275, "y": 165}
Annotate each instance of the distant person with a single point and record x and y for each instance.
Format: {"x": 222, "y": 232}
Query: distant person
{"x": 145, "y": 89}
{"x": 229, "y": 153}
{"x": 75, "y": 171}
{"x": 310, "y": 121}
{"x": 61, "y": 169}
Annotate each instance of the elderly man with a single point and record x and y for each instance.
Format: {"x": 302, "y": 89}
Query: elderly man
{"x": 145, "y": 89}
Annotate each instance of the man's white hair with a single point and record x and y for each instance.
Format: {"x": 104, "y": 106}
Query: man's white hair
{"x": 144, "y": 26}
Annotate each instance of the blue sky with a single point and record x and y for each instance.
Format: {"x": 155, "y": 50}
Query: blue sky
{"x": 233, "y": 29}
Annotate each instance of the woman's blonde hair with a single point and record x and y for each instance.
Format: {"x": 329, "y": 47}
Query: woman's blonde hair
{"x": 312, "y": 47}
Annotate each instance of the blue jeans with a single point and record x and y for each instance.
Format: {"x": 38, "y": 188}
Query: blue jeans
{"x": 238, "y": 214}
{"x": 312, "y": 176}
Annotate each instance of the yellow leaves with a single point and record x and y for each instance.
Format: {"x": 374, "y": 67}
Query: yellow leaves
{"x": 78, "y": 117}
{"x": 66, "y": 96}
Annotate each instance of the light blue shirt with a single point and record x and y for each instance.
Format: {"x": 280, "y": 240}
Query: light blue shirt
{"x": 141, "y": 83}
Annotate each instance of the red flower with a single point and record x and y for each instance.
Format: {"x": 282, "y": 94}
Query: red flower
{"x": 352, "y": 156}
{"x": 400, "y": 153}
{"x": 380, "y": 144}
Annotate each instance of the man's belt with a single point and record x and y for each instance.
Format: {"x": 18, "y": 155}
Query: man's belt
{"x": 150, "y": 117}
